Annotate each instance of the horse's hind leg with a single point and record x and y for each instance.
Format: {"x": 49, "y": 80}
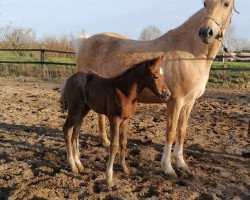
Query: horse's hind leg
{"x": 181, "y": 133}
{"x": 75, "y": 139}
{"x": 114, "y": 135}
{"x": 123, "y": 145}
{"x": 102, "y": 130}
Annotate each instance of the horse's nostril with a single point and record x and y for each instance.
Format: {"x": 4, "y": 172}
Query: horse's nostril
{"x": 210, "y": 32}
{"x": 200, "y": 32}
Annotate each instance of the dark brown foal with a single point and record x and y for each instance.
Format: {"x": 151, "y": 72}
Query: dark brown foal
{"x": 114, "y": 97}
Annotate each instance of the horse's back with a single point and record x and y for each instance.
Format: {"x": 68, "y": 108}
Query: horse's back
{"x": 110, "y": 53}
{"x": 96, "y": 51}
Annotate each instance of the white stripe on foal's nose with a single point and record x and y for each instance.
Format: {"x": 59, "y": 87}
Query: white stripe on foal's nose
{"x": 161, "y": 71}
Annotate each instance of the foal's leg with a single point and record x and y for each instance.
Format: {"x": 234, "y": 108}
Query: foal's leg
{"x": 102, "y": 130}
{"x": 173, "y": 111}
{"x": 68, "y": 131}
{"x": 181, "y": 133}
{"x": 123, "y": 145}
{"x": 114, "y": 135}
{"x": 75, "y": 139}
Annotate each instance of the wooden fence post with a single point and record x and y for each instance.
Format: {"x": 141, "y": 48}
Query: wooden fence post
{"x": 42, "y": 59}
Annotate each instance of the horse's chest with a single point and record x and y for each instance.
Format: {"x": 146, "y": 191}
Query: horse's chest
{"x": 198, "y": 90}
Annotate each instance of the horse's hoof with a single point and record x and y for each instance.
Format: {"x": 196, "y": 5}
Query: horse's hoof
{"x": 184, "y": 168}
{"x": 170, "y": 174}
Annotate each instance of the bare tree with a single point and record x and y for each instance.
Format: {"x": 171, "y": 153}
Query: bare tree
{"x": 150, "y": 32}
{"x": 235, "y": 43}
{"x": 17, "y": 36}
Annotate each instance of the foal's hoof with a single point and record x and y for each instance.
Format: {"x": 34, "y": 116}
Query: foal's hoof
{"x": 80, "y": 169}
{"x": 106, "y": 143}
{"x": 126, "y": 170}
{"x": 75, "y": 170}
{"x": 110, "y": 184}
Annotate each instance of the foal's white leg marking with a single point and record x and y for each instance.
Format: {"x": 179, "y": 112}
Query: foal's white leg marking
{"x": 77, "y": 155}
{"x": 102, "y": 130}
{"x": 110, "y": 173}
{"x": 166, "y": 160}
{"x": 70, "y": 152}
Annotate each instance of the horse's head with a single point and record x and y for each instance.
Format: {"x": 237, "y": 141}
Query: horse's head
{"x": 217, "y": 19}
{"x": 155, "y": 79}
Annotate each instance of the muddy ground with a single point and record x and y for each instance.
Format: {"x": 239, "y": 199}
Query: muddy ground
{"x": 33, "y": 156}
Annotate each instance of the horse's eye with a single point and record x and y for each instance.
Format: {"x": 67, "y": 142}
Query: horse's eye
{"x": 226, "y": 4}
{"x": 155, "y": 77}
{"x": 205, "y": 5}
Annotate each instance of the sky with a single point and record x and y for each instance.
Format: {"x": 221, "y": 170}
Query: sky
{"x": 127, "y": 17}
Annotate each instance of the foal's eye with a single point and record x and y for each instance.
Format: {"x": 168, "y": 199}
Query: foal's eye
{"x": 226, "y": 4}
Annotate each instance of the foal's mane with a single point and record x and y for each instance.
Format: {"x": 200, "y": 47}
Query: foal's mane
{"x": 129, "y": 70}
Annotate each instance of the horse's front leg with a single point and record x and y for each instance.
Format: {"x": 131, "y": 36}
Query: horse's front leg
{"x": 123, "y": 145}
{"x": 181, "y": 134}
{"x": 114, "y": 135}
{"x": 173, "y": 111}
{"x": 102, "y": 130}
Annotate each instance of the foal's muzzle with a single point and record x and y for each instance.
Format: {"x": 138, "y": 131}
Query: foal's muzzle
{"x": 164, "y": 95}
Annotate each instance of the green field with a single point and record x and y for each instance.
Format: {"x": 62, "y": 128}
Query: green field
{"x": 35, "y": 57}
{"x": 239, "y": 72}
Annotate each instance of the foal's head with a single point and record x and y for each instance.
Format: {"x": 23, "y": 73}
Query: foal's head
{"x": 154, "y": 78}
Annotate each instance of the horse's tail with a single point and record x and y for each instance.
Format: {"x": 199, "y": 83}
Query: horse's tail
{"x": 63, "y": 100}
{"x": 76, "y": 42}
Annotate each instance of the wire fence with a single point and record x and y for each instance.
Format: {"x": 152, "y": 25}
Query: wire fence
{"x": 42, "y": 60}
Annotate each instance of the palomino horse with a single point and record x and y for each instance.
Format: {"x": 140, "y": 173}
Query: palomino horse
{"x": 116, "y": 98}
{"x": 189, "y": 51}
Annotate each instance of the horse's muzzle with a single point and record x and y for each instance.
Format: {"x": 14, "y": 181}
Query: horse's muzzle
{"x": 206, "y": 35}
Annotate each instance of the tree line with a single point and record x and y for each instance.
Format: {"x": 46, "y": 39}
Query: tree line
{"x": 22, "y": 37}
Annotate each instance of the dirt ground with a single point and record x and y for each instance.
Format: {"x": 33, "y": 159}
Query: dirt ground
{"x": 33, "y": 155}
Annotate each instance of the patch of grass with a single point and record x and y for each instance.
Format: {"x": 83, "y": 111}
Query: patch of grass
{"x": 217, "y": 64}
{"x": 35, "y": 57}
{"x": 51, "y": 71}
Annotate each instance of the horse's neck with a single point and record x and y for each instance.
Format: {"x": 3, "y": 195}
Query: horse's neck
{"x": 185, "y": 38}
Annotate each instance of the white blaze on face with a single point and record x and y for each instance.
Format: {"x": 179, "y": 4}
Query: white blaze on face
{"x": 161, "y": 71}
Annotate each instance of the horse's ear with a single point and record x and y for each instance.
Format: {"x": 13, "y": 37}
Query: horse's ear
{"x": 155, "y": 63}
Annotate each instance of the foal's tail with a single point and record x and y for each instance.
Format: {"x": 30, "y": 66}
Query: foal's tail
{"x": 63, "y": 101}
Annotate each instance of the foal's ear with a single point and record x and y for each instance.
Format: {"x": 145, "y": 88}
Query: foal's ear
{"x": 155, "y": 63}
{"x": 122, "y": 98}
